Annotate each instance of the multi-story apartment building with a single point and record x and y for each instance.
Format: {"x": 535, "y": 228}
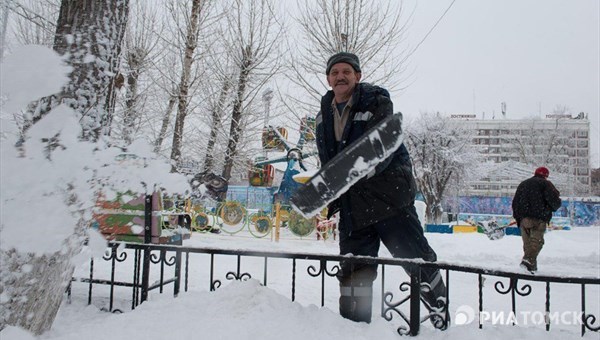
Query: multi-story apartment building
{"x": 559, "y": 141}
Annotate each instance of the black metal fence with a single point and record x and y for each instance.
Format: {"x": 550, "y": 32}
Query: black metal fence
{"x": 171, "y": 265}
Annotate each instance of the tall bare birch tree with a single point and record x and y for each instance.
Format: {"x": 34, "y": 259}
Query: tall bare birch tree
{"x": 167, "y": 69}
{"x": 217, "y": 110}
{"x": 372, "y": 29}
{"x": 184, "y": 85}
{"x": 442, "y": 154}
{"x": 140, "y": 47}
{"x": 89, "y": 33}
{"x": 254, "y": 36}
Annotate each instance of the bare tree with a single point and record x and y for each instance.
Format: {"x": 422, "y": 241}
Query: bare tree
{"x": 140, "y": 45}
{"x": 561, "y": 110}
{"x": 253, "y": 36}
{"x": 180, "y": 65}
{"x": 164, "y": 126}
{"x": 184, "y": 84}
{"x": 217, "y": 114}
{"x": 538, "y": 143}
{"x": 166, "y": 69}
{"x": 90, "y": 32}
{"x": 442, "y": 154}
{"x": 369, "y": 28}
{"x": 548, "y": 146}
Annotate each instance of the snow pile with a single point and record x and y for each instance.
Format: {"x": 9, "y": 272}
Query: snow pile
{"x": 247, "y": 310}
{"x": 239, "y": 310}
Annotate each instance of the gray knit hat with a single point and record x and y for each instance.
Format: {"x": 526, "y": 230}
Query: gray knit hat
{"x": 343, "y": 57}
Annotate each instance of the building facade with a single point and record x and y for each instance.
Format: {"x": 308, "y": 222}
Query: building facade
{"x": 518, "y": 146}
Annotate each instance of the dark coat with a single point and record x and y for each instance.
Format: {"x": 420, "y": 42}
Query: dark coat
{"x": 392, "y": 187}
{"x": 536, "y": 198}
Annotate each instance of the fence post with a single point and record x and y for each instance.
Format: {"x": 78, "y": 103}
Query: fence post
{"x": 147, "y": 240}
{"x": 148, "y": 219}
{"x": 177, "y": 283}
{"x": 277, "y": 221}
{"x": 415, "y": 301}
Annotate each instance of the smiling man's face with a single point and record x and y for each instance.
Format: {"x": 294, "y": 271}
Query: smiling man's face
{"x": 343, "y": 79}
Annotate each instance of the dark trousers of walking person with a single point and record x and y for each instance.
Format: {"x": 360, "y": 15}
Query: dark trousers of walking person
{"x": 403, "y": 236}
{"x": 532, "y": 233}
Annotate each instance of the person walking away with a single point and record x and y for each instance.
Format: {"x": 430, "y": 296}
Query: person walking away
{"x": 534, "y": 202}
{"x": 380, "y": 207}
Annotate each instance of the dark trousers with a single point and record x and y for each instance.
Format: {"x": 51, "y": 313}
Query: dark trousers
{"x": 403, "y": 236}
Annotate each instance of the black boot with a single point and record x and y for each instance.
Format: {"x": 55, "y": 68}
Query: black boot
{"x": 356, "y": 304}
{"x": 434, "y": 295}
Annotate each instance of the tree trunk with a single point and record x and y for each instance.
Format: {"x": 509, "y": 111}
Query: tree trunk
{"x": 33, "y": 287}
{"x": 235, "y": 130}
{"x": 184, "y": 85}
{"x": 165, "y": 124}
{"x": 89, "y": 33}
{"x": 134, "y": 59}
{"x": 93, "y": 48}
{"x": 217, "y": 113}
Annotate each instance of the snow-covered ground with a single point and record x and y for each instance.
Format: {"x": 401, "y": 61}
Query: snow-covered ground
{"x": 248, "y": 310}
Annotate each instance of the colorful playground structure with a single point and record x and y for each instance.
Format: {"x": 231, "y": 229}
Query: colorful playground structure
{"x": 262, "y": 172}
{"x": 233, "y": 217}
{"x": 160, "y": 219}
{"x": 141, "y": 218}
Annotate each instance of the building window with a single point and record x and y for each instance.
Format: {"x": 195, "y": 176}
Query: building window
{"x": 583, "y": 171}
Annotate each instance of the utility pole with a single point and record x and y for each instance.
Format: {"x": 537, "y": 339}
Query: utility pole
{"x": 267, "y": 96}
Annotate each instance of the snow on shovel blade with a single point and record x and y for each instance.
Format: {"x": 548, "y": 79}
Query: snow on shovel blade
{"x": 349, "y": 166}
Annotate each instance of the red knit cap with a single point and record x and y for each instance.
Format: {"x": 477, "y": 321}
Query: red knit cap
{"x": 542, "y": 172}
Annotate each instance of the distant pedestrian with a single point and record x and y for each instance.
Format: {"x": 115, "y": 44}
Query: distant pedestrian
{"x": 534, "y": 201}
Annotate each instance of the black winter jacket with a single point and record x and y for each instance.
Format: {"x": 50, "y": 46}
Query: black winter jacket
{"x": 392, "y": 187}
{"x": 536, "y": 198}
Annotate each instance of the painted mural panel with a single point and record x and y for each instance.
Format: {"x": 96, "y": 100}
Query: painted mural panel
{"x": 579, "y": 212}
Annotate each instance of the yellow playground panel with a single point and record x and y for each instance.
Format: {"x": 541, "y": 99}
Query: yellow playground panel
{"x": 464, "y": 228}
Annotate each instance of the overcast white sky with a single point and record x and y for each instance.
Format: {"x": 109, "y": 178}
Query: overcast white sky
{"x": 533, "y": 55}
